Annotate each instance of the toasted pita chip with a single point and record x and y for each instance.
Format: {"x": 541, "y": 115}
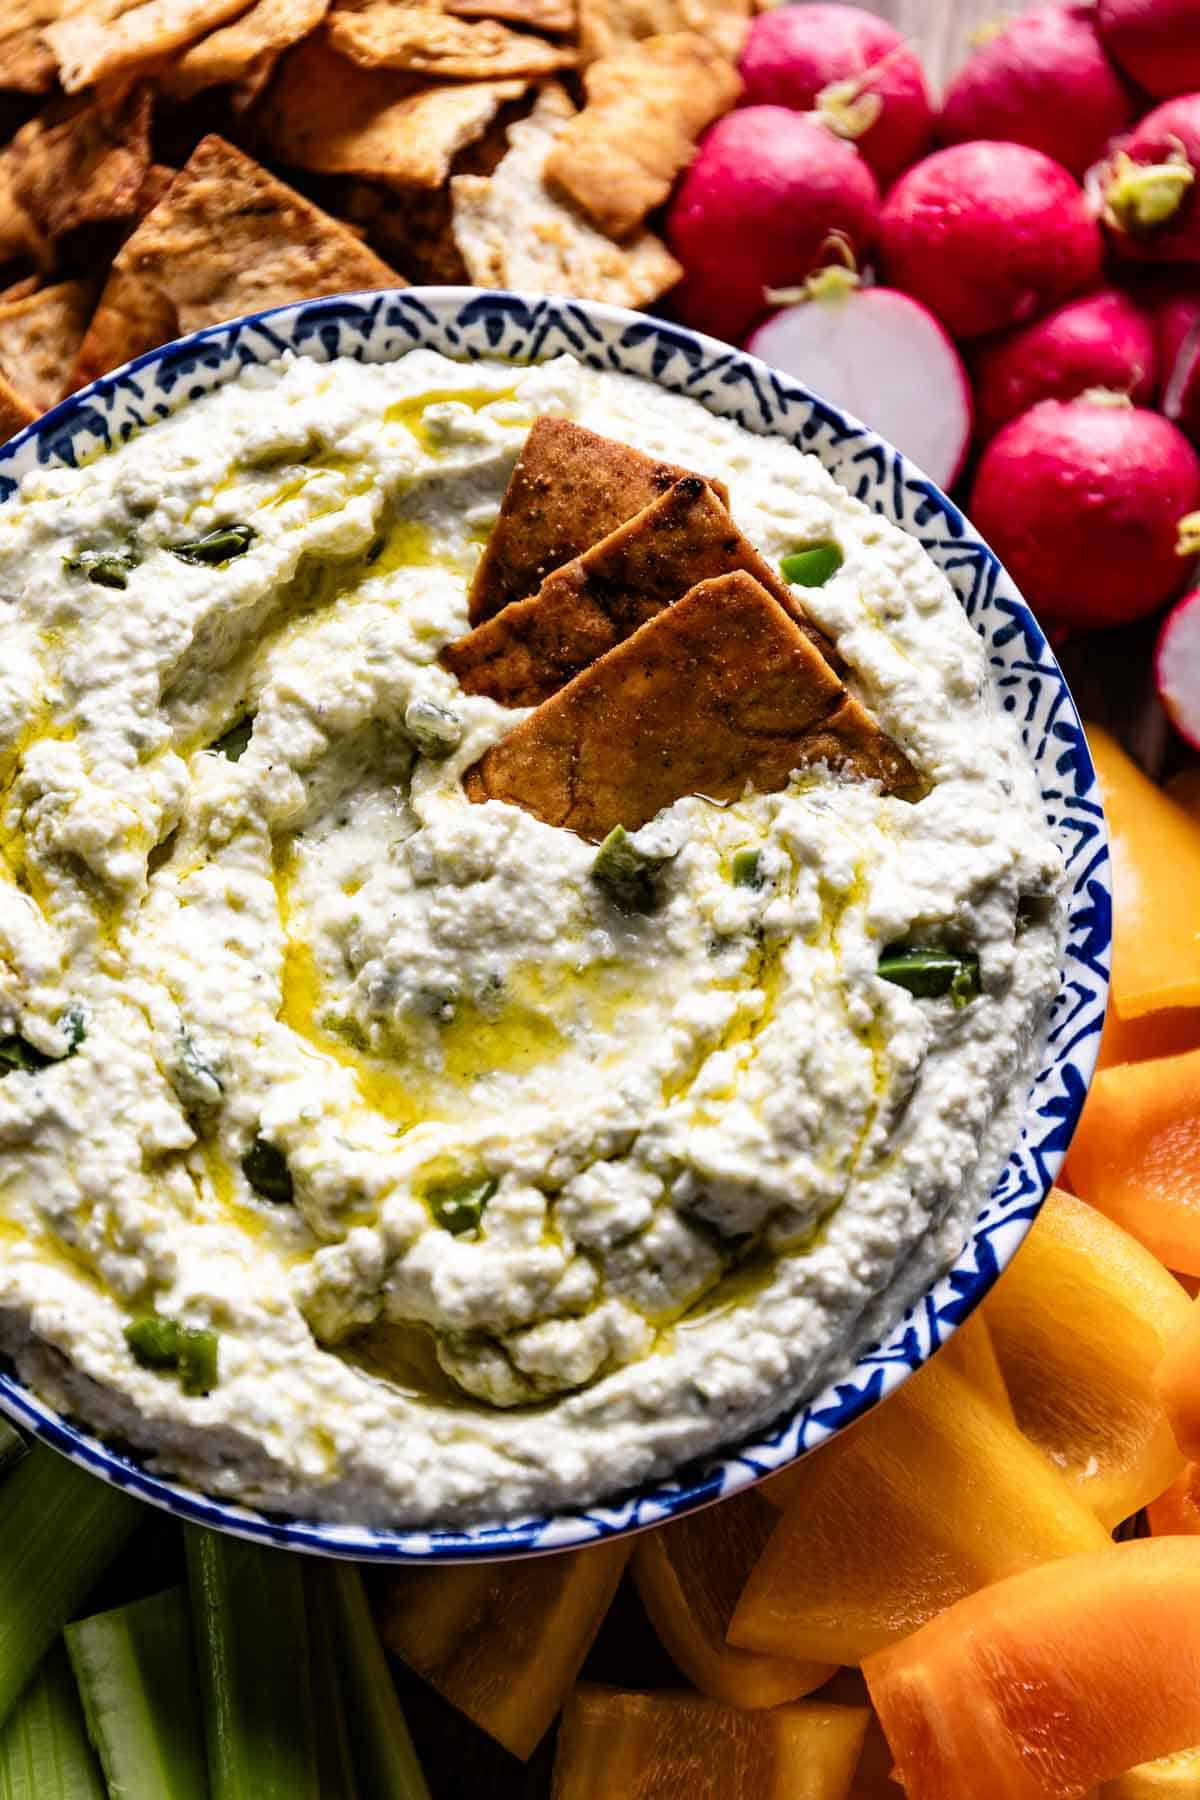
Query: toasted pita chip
{"x": 226, "y": 239}
{"x": 15, "y": 411}
{"x": 40, "y": 338}
{"x": 721, "y": 690}
{"x": 27, "y": 63}
{"x": 604, "y": 25}
{"x": 20, "y": 290}
{"x": 647, "y": 104}
{"x": 582, "y": 610}
{"x": 556, "y": 16}
{"x": 233, "y": 54}
{"x": 424, "y": 40}
{"x": 325, "y": 114}
{"x": 569, "y": 488}
{"x": 20, "y": 239}
{"x": 84, "y": 164}
{"x": 122, "y": 37}
{"x": 513, "y": 233}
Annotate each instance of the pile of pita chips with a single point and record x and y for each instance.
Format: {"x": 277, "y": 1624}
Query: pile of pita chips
{"x": 512, "y": 232}
{"x": 646, "y": 106}
{"x": 107, "y": 39}
{"x": 227, "y": 238}
{"x": 718, "y": 692}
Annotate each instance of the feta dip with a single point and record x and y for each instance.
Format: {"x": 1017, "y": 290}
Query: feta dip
{"x": 359, "y": 1157}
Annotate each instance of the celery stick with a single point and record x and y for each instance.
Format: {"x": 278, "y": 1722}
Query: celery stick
{"x": 255, "y": 1679}
{"x": 383, "y": 1750}
{"x": 59, "y": 1530}
{"x": 334, "y": 1755}
{"x": 44, "y": 1752}
{"x": 137, "y": 1679}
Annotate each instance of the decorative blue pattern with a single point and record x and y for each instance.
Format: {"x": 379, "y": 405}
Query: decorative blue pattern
{"x": 467, "y": 324}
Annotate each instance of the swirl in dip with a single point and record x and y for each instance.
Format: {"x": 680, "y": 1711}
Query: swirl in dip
{"x": 362, "y": 1152}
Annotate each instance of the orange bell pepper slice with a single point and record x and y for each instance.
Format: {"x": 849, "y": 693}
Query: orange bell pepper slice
{"x": 1156, "y": 887}
{"x": 502, "y": 1641}
{"x": 1178, "y": 1382}
{"x": 1080, "y": 1320}
{"x": 972, "y": 1351}
{"x": 615, "y": 1745}
{"x": 1167, "y": 1033}
{"x": 1176, "y": 1511}
{"x": 1051, "y": 1682}
{"x": 1136, "y": 1154}
{"x": 931, "y": 1495}
{"x": 689, "y": 1575}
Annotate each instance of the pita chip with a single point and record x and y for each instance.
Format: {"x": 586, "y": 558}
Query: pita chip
{"x": 20, "y": 239}
{"x": 232, "y": 54}
{"x": 227, "y": 238}
{"x": 513, "y": 233}
{"x": 40, "y": 337}
{"x": 323, "y": 113}
{"x": 20, "y": 290}
{"x": 84, "y": 164}
{"x": 123, "y": 38}
{"x": 647, "y": 104}
{"x": 720, "y": 691}
{"x": 585, "y": 608}
{"x": 605, "y": 25}
{"x": 555, "y": 16}
{"x": 15, "y": 411}
{"x": 424, "y": 40}
{"x": 569, "y": 488}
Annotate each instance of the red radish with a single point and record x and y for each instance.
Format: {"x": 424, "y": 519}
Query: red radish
{"x": 1081, "y": 500}
{"x": 1177, "y": 666}
{"x": 1102, "y": 341}
{"x": 769, "y": 198}
{"x": 1043, "y": 80}
{"x": 884, "y": 358}
{"x": 1177, "y": 318}
{"x": 1157, "y": 42}
{"x": 855, "y": 70}
{"x": 1147, "y": 191}
{"x": 988, "y": 235}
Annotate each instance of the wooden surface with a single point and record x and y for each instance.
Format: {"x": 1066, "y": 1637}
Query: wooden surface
{"x": 940, "y": 29}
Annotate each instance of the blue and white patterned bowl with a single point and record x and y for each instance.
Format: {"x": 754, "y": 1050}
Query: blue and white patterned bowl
{"x": 467, "y": 324}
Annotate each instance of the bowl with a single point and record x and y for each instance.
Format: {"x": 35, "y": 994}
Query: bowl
{"x": 468, "y": 324}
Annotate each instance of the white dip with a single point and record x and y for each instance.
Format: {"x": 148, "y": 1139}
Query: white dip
{"x": 714, "y": 1151}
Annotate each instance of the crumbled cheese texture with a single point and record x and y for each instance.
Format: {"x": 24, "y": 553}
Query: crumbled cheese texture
{"x": 562, "y": 1194}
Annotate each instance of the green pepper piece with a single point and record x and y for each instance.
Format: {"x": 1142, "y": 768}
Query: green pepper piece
{"x": 457, "y": 1206}
{"x": 74, "y": 1025}
{"x": 155, "y": 1342}
{"x": 233, "y": 743}
{"x": 107, "y": 568}
{"x": 626, "y": 874}
{"x": 265, "y": 1168}
{"x": 17, "y": 1052}
{"x": 931, "y": 974}
{"x": 216, "y": 547}
{"x": 747, "y": 869}
{"x": 812, "y": 567}
{"x": 197, "y": 1362}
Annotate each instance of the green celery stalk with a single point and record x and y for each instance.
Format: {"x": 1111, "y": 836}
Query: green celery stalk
{"x": 383, "y": 1750}
{"x": 137, "y": 1679}
{"x": 334, "y": 1754}
{"x": 44, "y": 1751}
{"x": 256, "y": 1686}
{"x": 59, "y": 1530}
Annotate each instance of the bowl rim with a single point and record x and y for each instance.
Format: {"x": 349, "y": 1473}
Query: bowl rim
{"x": 728, "y": 1469}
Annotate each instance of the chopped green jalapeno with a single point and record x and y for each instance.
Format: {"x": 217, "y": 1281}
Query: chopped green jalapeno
{"x": 626, "y": 874}
{"x": 265, "y": 1168}
{"x": 169, "y": 1347}
{"x": 813, "y": 567}
{"x": 932, "y": 974}
{"x": 217, "y": 547}
{"x": 457, "y": 1206}
{"x": 233, "y": 743}
{"x": 107, "y": 568}
{"x": 747, "y": 869}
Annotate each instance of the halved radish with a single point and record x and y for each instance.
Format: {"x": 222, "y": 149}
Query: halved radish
{"x": 884, "y": 357}
{"x": 1177, "y": 666}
